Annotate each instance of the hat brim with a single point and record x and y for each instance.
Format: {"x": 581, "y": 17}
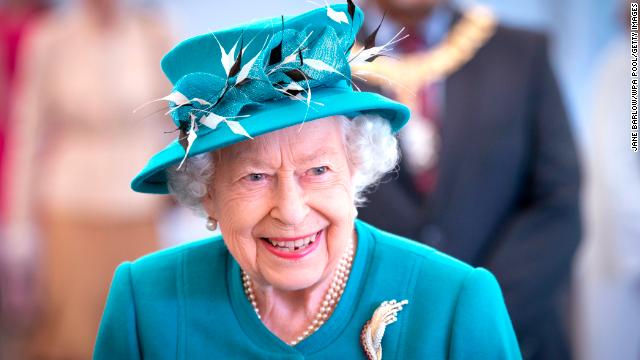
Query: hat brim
{"x": 270, "y": 117}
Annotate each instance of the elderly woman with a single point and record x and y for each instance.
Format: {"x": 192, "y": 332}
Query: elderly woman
{"x": 277, "y": 150}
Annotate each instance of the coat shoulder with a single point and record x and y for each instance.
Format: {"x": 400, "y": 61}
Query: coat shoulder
{"x": 167, "y": 262}
{"x": 427, "y": 272}
{"x": 400, "y": 254}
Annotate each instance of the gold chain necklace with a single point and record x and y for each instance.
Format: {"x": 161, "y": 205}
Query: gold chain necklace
{"x": 329, "y": 302}
{"x": 408, "y": 74}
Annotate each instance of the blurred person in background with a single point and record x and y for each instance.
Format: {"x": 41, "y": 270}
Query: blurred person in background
{"x": 16, "y": 18}
{"x": 81, "y": 73}
{"x": 489, "y": 172}
{"x": 607, "y": 276}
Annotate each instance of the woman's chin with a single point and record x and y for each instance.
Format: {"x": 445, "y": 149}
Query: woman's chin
{"x": 294, "y": 280}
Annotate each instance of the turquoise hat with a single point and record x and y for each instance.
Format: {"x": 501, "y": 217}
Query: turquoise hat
{"x": 236, "y": 84}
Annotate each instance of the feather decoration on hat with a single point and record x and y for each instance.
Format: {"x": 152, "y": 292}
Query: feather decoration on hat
{"x": 288, "y": 65}
{"x": 370, "y": 52}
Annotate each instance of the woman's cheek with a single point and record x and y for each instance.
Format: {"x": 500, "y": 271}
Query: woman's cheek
{"x": 336, "y": 189}
{"x": 238, "y": 216}
{"x": 237, "y": 234}
{"x": 240, "y": 199}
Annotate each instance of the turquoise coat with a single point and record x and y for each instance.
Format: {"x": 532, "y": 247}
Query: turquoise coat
{"x": 188, "y": 303}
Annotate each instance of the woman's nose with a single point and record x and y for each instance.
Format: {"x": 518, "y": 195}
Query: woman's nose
{"x": 290, "y": 203}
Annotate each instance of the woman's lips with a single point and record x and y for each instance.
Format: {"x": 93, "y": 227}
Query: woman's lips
{"x": 293, "y": 248}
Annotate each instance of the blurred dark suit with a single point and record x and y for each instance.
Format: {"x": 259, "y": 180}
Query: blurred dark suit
{"x": 507, "y": 196}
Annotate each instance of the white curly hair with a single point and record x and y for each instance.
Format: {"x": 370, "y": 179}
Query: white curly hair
{"x": 372, "y": 149}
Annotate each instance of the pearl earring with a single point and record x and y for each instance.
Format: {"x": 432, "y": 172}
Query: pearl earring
{"x": 212, "y": 225}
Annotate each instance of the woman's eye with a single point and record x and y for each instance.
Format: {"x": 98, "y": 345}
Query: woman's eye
{"x": 255, "y": 177}
{"x": 316, "y": 171}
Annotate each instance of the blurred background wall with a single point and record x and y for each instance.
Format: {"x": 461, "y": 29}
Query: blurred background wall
{"x": 586, "y": 38}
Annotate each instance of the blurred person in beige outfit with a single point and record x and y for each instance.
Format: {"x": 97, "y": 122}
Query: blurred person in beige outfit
{"x": 16, "y": 18}
{"x": 82, "y": 73}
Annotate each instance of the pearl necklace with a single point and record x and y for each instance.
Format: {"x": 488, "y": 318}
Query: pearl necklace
{"x": 329, "y": 303}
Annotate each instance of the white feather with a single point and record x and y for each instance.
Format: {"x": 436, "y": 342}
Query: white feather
{"x": 178, "y": 98}
{"x": 291, "y": 58}
{"x": 236, "y": 128}
{"x": 227, "y": 58}
{"x": 308, "y": 99}
{"x": 244, "y": 72}
{"x": 212, "y": 120}
{"x": 293, "y": 86}
{"x": 337, "y": 16}
{"x": 360, "y": 57}
{"x": 320, "y": 65}
{"x": 201, "y": 101}
{"x": 191, "y": 138}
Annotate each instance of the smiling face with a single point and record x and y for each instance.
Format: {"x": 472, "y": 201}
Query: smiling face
{"x": 284, "y": 203}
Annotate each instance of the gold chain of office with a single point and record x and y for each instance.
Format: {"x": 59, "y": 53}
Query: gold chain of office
{"x": 406, "y": 75}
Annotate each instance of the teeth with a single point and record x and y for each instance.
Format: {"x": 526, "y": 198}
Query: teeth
{"x": 293, "y": 245}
